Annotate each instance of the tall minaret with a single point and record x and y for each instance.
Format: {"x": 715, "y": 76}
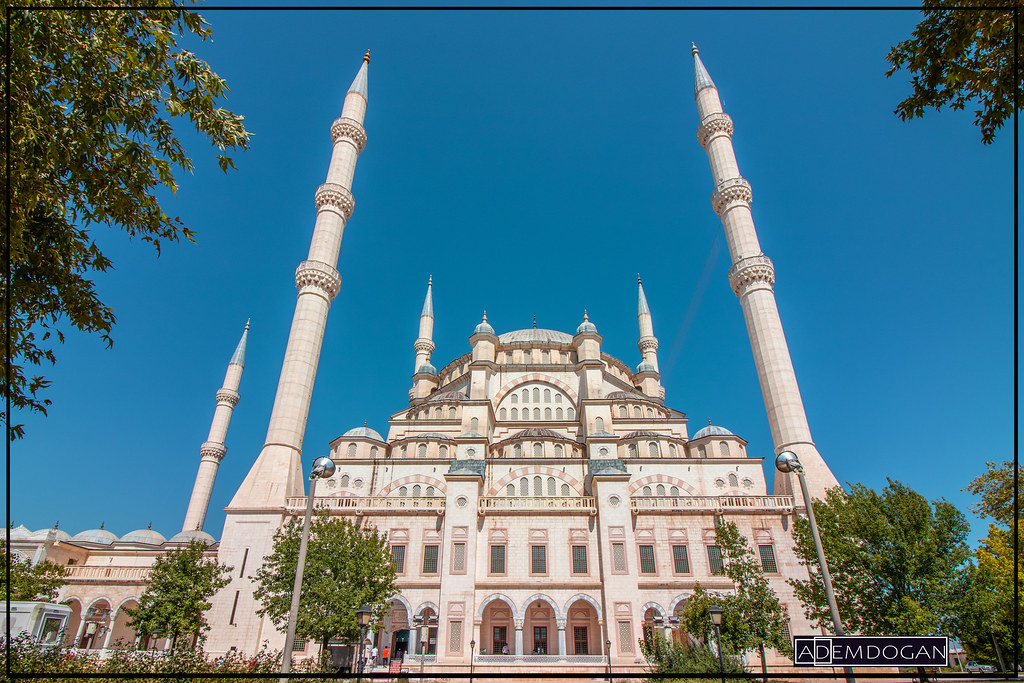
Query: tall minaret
{"x": 424, "y": 375}
{"x": 277, "y": 472}
{"x": 648, "y": 377}
{"x": 752, "y": 278}
{"x": 213, "y": 449}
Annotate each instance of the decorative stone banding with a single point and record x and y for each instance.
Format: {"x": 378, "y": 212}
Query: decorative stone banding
{"x": 424, "y": 345}
{"x": 227, "y": 397}
{"x": 730, "y": 193}
{"x": 346, "y": 128}
{"x": 712, "y": 126}
{"x": 648, "y": 344}
{"x": 211, "y": 450}
{"x": 333, "y": 197}
{"x": 318, "y": 276}
{"x": 751, "y": 270}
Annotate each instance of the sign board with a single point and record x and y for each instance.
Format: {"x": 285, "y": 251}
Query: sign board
{"x": 395, "y": 666}
{"x": 871, "y": 650}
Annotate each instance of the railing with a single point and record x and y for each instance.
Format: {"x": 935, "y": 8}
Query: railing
{"x": 88, "y": 573}
{"x": 711, "y": 503}
{"x": 372, "y": 504}
{"x": 540, "y": 659}
{"x": 500, "y": 504}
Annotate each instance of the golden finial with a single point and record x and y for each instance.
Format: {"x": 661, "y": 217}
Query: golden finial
{"x": 485, "y": 316}
{"x": 364, "y": 423}
{"x": 366, "y": 57}
{"x": 585, "y": 318}
{"x": 709, "y": 422}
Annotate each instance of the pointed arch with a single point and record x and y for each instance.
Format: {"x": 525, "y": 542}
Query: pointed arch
{"x": 413, "y": 479}
{"x": 497, "y": 596}
{"x": 431, "y": 605}
{"x": 542, "y": 598}
{"x": 585, "y": 598}
{"x": 675, "y": 602}
{"x": 656, "y": 607}
{"x": 515, "y": 475}
{"x": 405, "y": 603}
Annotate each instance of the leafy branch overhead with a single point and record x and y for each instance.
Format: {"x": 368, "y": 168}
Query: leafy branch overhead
{"x": 95, "y": 96}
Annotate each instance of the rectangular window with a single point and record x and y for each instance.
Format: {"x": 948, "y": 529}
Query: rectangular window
{"x": 540, "y": 640}
{"x": 715, "y": 563}
{"x": 538, "y": 559}
{"x": 625, "y": 637}
{"x": 455, "y": 636}
{"x": 768, "y": 563}
{"x": 785, "y": 629}
{"x": 619, "y": 557}
{"x": 497, "y": 560}
{"x": 430, "y": 559}
{"x": 647, "y": 565}
{"x": 459, "y": 557}
{"x": 500, "y": 640}
{"x": 579, "y": 639}
{"x": 398, "y": 558}
{"x": 299, "y": 644}
{"x": 241, "y": 572}
{"x": 680, "y": 562}
{"x": 579, "y": 559}
{"x": 234, "y": 608}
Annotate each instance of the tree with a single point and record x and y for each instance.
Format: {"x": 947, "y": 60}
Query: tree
{"x": 347, "y": 565}
{"x": 752, "y": 617}
{"x": 181, "y": 584}
{"x": 995, "y": 488}
{"x": 899, "y": 564}
{"x": 668, "y": 657}
{"x": 41, "y": 581}
{"x": 93, "y": 96}
{"x": 958, "y": 57}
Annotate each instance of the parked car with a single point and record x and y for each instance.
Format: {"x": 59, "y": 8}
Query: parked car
{"x": 979, "y": 668}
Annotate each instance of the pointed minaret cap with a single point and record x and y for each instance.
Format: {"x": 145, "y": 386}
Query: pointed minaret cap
{"x": 701, "y": 78}
{"x": 238, "y": 358}
{"x": 428, "y": 302}
{"x": 359, "y": 84}
{"x": 642, "y": 304}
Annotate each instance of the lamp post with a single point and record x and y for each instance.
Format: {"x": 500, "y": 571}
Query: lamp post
{"x": 786, "y": 462}
{"x": 608, "y": 651}
{"x": 323, "y": 467}
{"x": 716, "y": 618}
{"x": 363, "y": 615}
{"x": 472, "y": 646}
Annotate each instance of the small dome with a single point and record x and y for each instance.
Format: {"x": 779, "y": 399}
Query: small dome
{"x": 448, "y": 396}
{"x": 427, "y": 368}
{"x": 19, "y": 532}
{"x": 95, "y": 536}
{"x": 535, "y": 335}
{"x": 538, "y": 432}
{"x": 627, "y": 396}
{"x": 147, "y": 536}
{"x": 484, "y": 327}
{"x": 44, "y": 534}
{"x": 364, "y": 432}
{"x": 189, "y": 536}
{"x": 711, "y": 430}
{"x": 645, "y": 367}
{"x": 586, "y": 325}
{"x": 643, "y": 434}
{"x": 430, "y": 435}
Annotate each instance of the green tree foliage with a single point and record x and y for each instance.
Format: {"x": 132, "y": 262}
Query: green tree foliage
{"x": 752, "y": 615}
{"x": 899, "y": 564}
{"x": 995, "y": 488}
{"x": 958, "y": 57}
{"x": 347, "y": 565}
{"x": 29, "y": 582}
{"x": 94, "y": 96}
{"x": 181, "y": 584}
{"x": 669, "y": 657}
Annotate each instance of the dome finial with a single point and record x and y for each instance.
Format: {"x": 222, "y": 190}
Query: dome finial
{"x": 364, "y": 423}
{"x": 247, "y": 321}
{"x": 484, "y": 319}
{"x": 101, "y": 525}
{"x": 150, "y": 525}
{"x": 694, "y": 51}
{"x": 585, "y": 318}
{"x": 56, "y": 524}
{"x": 366, "y": 57}
{"x": 534, "y": 321}
{"x": 709, "y": 422}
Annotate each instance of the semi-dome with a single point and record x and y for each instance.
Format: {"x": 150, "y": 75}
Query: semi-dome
{"x": 626, "y": 395}
{"x": 643, "y": 434}
{"x": 431, "y": 435}
{"x": 364, "y": 432}
{"x": 712, "y": 430}
{"x": 645, "y": 366}
{"x": 537, "y": 335}
{"x": 95, "y": 536}
{"x": 426, "y": 368}
{"x": 189, "y": 536}
{"x": 538, "y": 432}
{"x": 147, "y": 536}
{"x": 448, "y": 396}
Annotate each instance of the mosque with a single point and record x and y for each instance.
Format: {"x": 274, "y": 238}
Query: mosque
{"x": 544, "y": 505}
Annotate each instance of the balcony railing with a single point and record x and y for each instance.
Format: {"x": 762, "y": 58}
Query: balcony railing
{"x": 86, "y": 574}
{"x": 724, "y": 504}
{"x": 373, "y": 504}
{"x": 507, "y": 504}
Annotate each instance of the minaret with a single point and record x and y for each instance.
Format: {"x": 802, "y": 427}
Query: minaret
{"x": 424, "y": 375}
{"x": 277, "y": 472}
{"x": 752, "y": 278}
{"x": 648, "y": 377}
{"x": 213, "y": 449}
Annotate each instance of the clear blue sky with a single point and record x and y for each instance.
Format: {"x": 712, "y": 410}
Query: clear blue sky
{"x": 534, "y": 163}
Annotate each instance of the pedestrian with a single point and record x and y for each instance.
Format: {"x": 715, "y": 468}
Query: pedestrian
{"x": 373, "y": 656}
{"x": 384, "y": 655}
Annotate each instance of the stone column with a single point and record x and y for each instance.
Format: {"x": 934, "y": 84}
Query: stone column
{"x": 81, "y": 630}
{"x": 560, "y": 623}
{"x": 110, "y": 631}
{"x": 519, "y": 637}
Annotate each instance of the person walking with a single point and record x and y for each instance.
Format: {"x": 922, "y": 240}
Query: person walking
{"x": 384, "y": 655}
{"x": 373, "y": 657}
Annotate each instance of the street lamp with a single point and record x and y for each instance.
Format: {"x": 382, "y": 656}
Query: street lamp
{"x": 323, "y": 467}
{"x": 716, "y": 618}
{"x": 608, "y": 651}
{"x": 363, "y": 615}
{"x": 472, "y": 646}
{"x": 423, "y": 624}
{"x": 786, "y": 462}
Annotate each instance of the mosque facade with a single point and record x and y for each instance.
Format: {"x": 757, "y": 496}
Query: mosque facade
{"x": 543, "y": 502}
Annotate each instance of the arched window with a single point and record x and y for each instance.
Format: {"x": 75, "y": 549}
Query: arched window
{"x": 723, "y": 448}
{"x": 661, "y": 489}
{"x": 547, "y": 413}
{"x": 536, "y": 395}
{"x": 452, "y": 413}
{"x": 526, "y": 414}
{"x": 702, "y": 451}
{"x": 430, "y": 492}
{"x": 565, "y": 489}
{"x": 570, "y": 414}
{"x": 647, "y": 490}
{"x": 421, "y": 450}
{"x": 474, "y": 424}
{"x": 632, "y": 450}
{"x": 598, "y": 424}
{"x": 405, "y": 450}
{"x": 373, "y": 452}
{"x": 545, "y": 357}
{"x": 515, "y": 398}
{"x": 622, "y": 411}
{"x": 503, "y": 414}
{"x": 515, "y": 413}
{"x": 416, "y": 491}
{"x": 351, "y": 450}
{"x": 650, "y": 412}
{"x": 674, "y": 491}
{"x": 551, "y": 486}
{"x": 537, "y": 490}
{"x": 536, "y": 413}
{"x": 733, "y": 481}
{"x": 524, "y": 487}
{"x": 403, "y": 492}
{"x": 558, "y": 450}
{"x": 518, "y": 450}
{"x": 672, "y": 451}
{"x": 558, "y": 398}
{"x": 558, "y": 413}
{"x": 510, "y": 490}
{"x": 652, "y": 449}
{"x": 344, "y": 480}
{"x": 636, "y": 411}
{"x": 538, "y": 450}
{"x": 526, "y": 395}
{"x": 442, "y": 452}
{"x": 437, "y": 413}
{"x": 547, "y": 396}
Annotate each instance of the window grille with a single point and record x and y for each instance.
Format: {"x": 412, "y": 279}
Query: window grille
{"x": 398, "y": 558}
{"x": 715, "y": 560}
{"x": 421, "y": 450}
{"x": 351, "y": 450}
{"x": 547, "y": 394}
{"x": 547, "y": 413}
{"x": 538, "y": 559}
{"x": 565, "y": 489}
{"x": 474, "y": 424}
{"x": 625, "y": 637}
{"x": 536, "y": 395}
{"x": 768, "y": 563}
{"x": 558, "y": 450}
{"x": 538, "y": 450}
{"x": 515, "y": 398}
{"x": 558, "y": 413}
{"x": 619, "y": 557}
{"x": 443, "y": 452}
{"x": 344, "y": 480}
{"x": 551, "y": 486}
{"x": 536, "y": 413}
{"x": 524, "y": 487}
{"x": 540, "y": 640}
{"x": 518, "y": 449}
{"x": 430, "y": 491}
{"x": 733, "y": 481}
{"x": 503, "y": 414}
{"x": 622, "y": 411}
{"x": 537, "y": 487}
{"x": 403, "y": 491}
{"x": 299, "y": 644}
{"x": 497, "y": 559}
{"x": 430, "y": 559}
{"x": 647, "y": 490}
{"x": 499, "y": 639}
{"x": 674, "y": 491}
{"x": 417, "y": 491}
{"x": 661, "y": 489}
{"x": 647, "y": 565}
{"x": 558, "y": 398}
{"x": 570, "y": 414}
{"x": 579, "y": 559}
{"x": 652, "y": 448}
{"x": 598, "y": 424}
{"x": 579, "y": 639}
{"x": 455, "y": 636}
{"x": 680, "y": 561}
{"x": 510, "y": 490}
{"x": 632, "y": 450}
{"x": 723, "y": 448}
{"x": 459, "y": 557}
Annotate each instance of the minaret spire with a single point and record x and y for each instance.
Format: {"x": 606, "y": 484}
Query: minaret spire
{"x": 752, "y": 278}
{"x": 424, "y": 375}
{"x": 648, "y": 377}
{"x": 213, "y": 449}
{"x": 277, "y": 473}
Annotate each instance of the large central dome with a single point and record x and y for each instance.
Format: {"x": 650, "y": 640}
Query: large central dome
{"x": 535, "y": 335}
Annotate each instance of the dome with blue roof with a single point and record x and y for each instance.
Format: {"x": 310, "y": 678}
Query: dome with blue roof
{"x": 189, "y": 536}
{"x": 586, "y": 326}
{"x": 146, "y": 536}
{"x": 100, "y": 535}
{"x": 364, "y": 432}
{"x": 711, "y": 430}
{"x": 484, "y": 327}
{"x": 426, "y": 368}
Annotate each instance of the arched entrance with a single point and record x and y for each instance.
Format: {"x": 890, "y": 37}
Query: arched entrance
{"x": 396, "y": 630}
{"x": 582, "y": 630}
{"x": 74, "y": 622}
{"x": 427, "y": 645}
{"x": 497, "y": 628}
{"x": 121, "y": 634}
{"x": 539, "y": 629}
{"x": 96, "y": 623}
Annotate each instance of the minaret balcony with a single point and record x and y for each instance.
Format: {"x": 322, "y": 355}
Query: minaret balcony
{"x": 359, "y": 505}
{"x": 713, "y": 504}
